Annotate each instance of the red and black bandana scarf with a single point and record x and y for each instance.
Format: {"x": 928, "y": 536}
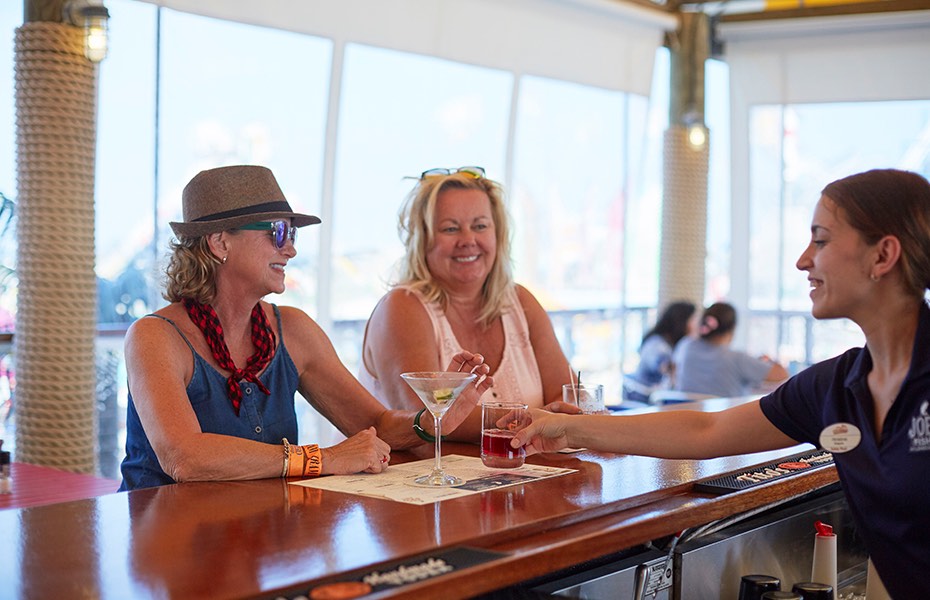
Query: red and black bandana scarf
{"x": 263, "y": 338}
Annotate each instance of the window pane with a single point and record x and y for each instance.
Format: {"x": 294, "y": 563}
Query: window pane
{"x": 568, "y": 205}
{"x": 11, "y": 17}
{"x": 795, "y": 151}
{"x": 824, "y": 142}
{"x": 762, "y": 336}
{"x": 793, "y": 348}
{"x": 647, "y": 122}
{"x": 830, "y": 141}
{"x": 717, "y": 117}
{"x": 764, "y": 206}
{"x": 642, "y": 226}
{"x": 636, "y": 323}
{"x": 569, "y": 197}
{"x": 400, "y": 115}
{"x": 125, "y": 175}
{"x": 239, "y": 94}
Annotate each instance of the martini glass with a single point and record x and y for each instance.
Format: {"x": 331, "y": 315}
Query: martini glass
{"x": 438, "y": 390}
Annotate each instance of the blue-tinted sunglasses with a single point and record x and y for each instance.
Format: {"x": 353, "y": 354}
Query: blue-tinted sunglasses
{"x": 473, "y": 172}
{"x": 281, "y": 231}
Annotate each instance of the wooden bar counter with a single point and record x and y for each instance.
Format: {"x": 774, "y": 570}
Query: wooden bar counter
{"x": 265, "y": 538}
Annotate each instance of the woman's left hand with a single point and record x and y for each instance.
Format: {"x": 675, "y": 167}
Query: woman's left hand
{"x": 467, "y": 362}
{"x": 364, "y": 452}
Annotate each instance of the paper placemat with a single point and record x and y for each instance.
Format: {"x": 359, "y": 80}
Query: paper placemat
{"x": 394, "y": 483}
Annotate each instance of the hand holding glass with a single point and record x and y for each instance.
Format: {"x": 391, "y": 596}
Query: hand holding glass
{"x": 438, "y": 390}
{"x": 499, "y": 422}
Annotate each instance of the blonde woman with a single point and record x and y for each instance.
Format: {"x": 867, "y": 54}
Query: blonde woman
{"x": 456, "y": 291}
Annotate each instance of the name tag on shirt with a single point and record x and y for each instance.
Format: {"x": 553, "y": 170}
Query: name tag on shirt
{"x": 840, "y": 437}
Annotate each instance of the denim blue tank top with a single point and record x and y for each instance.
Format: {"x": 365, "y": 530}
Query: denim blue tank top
{"x": 261, "y": 418}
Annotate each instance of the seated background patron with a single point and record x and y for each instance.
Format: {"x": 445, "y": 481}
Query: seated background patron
{"x": 707, "y": 365}
{"x": 656, "y": 368}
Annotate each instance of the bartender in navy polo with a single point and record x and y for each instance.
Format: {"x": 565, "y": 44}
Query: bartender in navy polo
{"x": 869, "y": 261}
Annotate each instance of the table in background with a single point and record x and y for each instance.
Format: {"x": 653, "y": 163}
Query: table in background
{"x": 32, "y": 485}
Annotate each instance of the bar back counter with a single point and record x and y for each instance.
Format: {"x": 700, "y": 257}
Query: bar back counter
{"x": 613, "y": 524}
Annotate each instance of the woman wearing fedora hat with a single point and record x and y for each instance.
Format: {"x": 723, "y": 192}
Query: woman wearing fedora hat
{"x": 212, "y": 376}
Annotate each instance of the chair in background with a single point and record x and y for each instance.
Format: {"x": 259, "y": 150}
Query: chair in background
{"x": 636, "y": 393}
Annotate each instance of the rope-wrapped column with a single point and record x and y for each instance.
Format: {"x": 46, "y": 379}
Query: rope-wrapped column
{"x": 56, "y": 302}
{"x": 684, "y": 219}
{"x": 684, "y": 209}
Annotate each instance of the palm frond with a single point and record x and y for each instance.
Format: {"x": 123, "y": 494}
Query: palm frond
{"x": 7, "y": 212}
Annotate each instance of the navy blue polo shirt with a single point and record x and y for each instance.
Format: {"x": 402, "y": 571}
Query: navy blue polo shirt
{"x": 887, "y": 483}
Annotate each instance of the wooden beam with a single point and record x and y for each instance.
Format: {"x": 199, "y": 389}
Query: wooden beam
{"x": 832, "y": 10}
{"x": 663, "y": 6}
{"x": 43, "y": 10}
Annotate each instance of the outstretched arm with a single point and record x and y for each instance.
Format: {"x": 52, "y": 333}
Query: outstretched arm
{"x": 670, "y": 434}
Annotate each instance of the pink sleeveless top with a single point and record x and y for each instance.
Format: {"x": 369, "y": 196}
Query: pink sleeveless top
{"x": 516, "y": 379}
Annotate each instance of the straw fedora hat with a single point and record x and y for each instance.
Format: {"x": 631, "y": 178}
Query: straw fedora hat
{"x": 228, "y": 197}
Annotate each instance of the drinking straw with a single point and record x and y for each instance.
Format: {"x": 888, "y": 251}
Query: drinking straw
{"x": 571, "y": 378}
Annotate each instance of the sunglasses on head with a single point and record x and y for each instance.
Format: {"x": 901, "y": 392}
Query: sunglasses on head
{"x": 281, "y": 231}
{"x": 473, "y": 172}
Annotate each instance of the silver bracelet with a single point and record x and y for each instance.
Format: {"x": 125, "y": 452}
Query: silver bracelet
{"x": 287, "y": 456}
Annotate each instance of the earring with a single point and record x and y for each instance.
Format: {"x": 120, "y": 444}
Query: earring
{"x": 874, "y": 277}
{"x": 223, "y": 260}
